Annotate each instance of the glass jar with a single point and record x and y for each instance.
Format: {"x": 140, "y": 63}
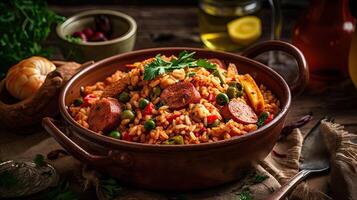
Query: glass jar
{"x": 214, "y": 16}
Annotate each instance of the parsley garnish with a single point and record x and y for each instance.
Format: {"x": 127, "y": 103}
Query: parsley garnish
{"x": 185, "y": 59}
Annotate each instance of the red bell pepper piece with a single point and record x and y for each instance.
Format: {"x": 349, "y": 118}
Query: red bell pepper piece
{"x": 211, "y": 118}
{"x": 148, "y": 109}
{"x": 270, "y": 117}
{"x": 127, "y": 137}
{"x": 172, "y": 117}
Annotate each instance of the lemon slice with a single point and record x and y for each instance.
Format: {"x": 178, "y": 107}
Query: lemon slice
{"x": 245, "y": 30}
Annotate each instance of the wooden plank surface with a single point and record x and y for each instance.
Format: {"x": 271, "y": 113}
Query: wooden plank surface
{"x": 338, "y": 100}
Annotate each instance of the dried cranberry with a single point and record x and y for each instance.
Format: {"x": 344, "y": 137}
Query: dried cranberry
{"x": 98, "y": 36}
{"x": 88, "y": 32}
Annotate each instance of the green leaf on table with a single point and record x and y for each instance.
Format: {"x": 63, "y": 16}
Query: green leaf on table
{"x": 110, "y": 188}
{"x": 258, "y": 178}
{"x": 7, "y": 180}
{"x": 245, "y": 195}
{"x": 39, "y": 160}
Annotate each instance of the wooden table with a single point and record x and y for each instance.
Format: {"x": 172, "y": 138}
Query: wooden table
{"x": 338, "y": 100}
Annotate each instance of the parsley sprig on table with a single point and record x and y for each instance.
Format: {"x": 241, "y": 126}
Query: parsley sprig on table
{"x": 185, "y": 59}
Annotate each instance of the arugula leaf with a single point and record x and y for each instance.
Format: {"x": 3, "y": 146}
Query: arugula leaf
{"x": 185, "y": 59}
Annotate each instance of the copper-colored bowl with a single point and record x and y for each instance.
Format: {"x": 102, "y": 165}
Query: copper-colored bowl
{"x": 176, "y": 167}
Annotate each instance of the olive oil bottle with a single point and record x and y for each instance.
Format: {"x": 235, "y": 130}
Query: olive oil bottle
{"x": 214, "y": 15}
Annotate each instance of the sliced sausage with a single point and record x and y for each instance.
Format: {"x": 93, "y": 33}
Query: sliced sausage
{"x": 239, "y": 112}
{"x": 218, "y": 62}
{"x": 180, "y": 95}
{"x": 104, "y": 115}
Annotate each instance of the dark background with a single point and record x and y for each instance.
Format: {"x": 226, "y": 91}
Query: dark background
{"x": 285, "y": 3}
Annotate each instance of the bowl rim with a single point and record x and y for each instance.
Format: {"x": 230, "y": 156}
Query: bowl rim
{"x": 102, "y": 139}
{"x": 131, "y": 30}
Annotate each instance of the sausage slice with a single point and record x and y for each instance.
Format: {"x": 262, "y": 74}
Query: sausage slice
{"x": 239, "y": 112}
{"x": 104, "y": 115}
{"x": 180, "y": 95}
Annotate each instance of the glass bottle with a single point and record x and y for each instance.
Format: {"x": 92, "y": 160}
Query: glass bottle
{"x": 324, "y": 35}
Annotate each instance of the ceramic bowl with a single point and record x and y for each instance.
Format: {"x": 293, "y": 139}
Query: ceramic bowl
{"x": 123, "y": 39}
{"x": 177, "y": 167}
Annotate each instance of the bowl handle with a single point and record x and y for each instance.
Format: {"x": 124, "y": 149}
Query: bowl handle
{"x": 113, "y": 156}
{"x": 274, "y": 45}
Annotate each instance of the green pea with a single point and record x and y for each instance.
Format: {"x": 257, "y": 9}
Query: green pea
{"x": 78, "y": 102}
{"x": 149, "y": 124}
{"x": 222, "y": 99}
{"x": 178, "y": 139}
{"x": 115, "y": 134}
{"x": 157, "y": 91}
{"x": 127, "y": 114}
{"x": 232, "y": 92}
{"x": 124, "y": 97}
{"x": 214, "y": 124}
{"x": 143, "y": 103}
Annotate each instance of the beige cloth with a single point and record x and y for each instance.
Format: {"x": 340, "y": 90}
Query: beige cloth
{"x": 281, "y": 164}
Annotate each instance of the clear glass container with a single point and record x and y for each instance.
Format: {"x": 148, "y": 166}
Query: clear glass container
{"x": 214, "y": 16}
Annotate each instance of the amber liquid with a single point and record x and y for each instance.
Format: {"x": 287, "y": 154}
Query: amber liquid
{"x": 324, "y": 36}
{"x": 214, "y": 16}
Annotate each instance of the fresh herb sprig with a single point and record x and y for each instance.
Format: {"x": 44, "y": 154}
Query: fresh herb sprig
{"x": 185, "y": 59}
{"x": 24, "y": 26}
{"x": 110, "y": 188}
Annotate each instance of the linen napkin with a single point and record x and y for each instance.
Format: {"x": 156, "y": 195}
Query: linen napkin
{"x": 280, "y": 165}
